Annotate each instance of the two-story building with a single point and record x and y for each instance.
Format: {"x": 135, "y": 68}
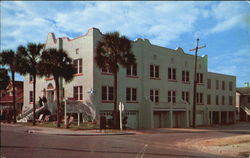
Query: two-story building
{"x": 157, "y": 91}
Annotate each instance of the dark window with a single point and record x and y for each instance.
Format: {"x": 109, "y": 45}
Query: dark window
{"x": 132, "y": 70}
{"x": 230, "y": 86}
{"x": 107, "y": 93}
{"x": 154, "y": 95}
{"x": 154, "y": 71}
{"x": 199, "y": 98}
{"x": 185, "y": 76}
{"x": 208, "y": 99}
{"x": 77, "y": 93}
{"x": 208, "y": 83}
{"x": 31, "y": 96}
{"x": 217, "y": 100}
{"x": 230, "y": 100}
{"x": 171, "y": 73}
{"x": 131, "y": 94}
{"x": 217, "y": 84}
{"x": 223, "y": 85}
{"x": 104, "y": 93}
{"x": 185, "y": 96}
{"x": 223, "y": 100}
{"x": 77, "y": 50}
{"x": 78, "y": 65}
{"x": 199, "y": 78}
{"x": 106, "y": 70}
{"x": 172, "y": 95}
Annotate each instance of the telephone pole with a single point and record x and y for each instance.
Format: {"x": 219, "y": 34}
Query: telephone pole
{"x": 195, "y": 81}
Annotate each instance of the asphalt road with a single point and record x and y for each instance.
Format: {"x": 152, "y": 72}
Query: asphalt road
{"x": 17, "y": 143}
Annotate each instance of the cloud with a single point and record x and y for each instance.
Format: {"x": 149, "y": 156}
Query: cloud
{"x": 229, "y": 15}
{"x": 232, "y": 62}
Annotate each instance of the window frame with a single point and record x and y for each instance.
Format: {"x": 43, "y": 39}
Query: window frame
{"x": 132, "y": 70}
{"x": 109, "y": 94}
{"x": 154, "y": 71}
{"x": 130, "y": 94}
{"x": 78, "y": 93}
{"x": 31, "y": 96}
{"x": 172, "y": 76}
{"x": 154, "y": 97}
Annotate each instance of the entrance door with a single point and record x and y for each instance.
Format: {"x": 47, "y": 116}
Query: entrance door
{"x": 132, "y": 119}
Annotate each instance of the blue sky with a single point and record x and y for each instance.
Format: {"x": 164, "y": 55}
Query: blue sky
{"x": 223, "y": 26}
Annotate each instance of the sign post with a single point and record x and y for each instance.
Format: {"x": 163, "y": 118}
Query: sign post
{"x": 65, "y": 113}
{"x": 121, "y": 109}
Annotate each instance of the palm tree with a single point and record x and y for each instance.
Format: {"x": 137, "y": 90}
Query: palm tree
{"x": 9, "y": 58}
{"x": 29, "y": 58}
{"x": 58, "y": 64}
{"x": 4, "y": 78}
{"x": 111, "y": 51}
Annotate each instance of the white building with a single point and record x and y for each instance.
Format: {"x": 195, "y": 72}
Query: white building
{"x": 160, "y": 75}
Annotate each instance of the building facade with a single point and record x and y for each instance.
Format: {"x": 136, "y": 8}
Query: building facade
{"x": 243, "y": 103}
{"x": 157, "y": 91}
{"x": 6, "y": 100}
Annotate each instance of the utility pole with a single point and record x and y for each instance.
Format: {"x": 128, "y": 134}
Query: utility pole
{"x": 195, "y": 81}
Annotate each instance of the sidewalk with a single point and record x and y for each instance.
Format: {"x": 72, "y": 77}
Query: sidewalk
{"x": 71, "y": 132}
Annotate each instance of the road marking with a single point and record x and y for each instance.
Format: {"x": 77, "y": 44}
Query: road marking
{"x": 143, "y": 151}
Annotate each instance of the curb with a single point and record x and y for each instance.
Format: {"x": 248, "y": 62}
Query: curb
{"x": 83, "y": 134}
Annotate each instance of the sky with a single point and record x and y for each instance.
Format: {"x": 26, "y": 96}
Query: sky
{"x": 224, "y": 27}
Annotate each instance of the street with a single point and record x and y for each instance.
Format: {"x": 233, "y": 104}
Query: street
{"x": 16, "y": 142}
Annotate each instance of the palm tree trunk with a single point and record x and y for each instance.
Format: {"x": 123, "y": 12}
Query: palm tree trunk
{"x": 14, "y": 94}
{"x": 57, "y": 102}
{"x": 34, "y": 100}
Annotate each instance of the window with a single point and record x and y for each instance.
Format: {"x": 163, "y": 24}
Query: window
{"x": 199, "y": 98}
{"x": 248, "y": 99}
{"x": 154, "y": 71}
{"x": 217, "y": 84}
{"x": 106, "y": 70}
{"x": 217, "y": 100}
{"x": 132, "y": 70}
{"x": 131, "y": 94}
{"x": 185, "y": 96}
{"x": 230, "y": 100}
{"x": 223, "y": 85}
{"x": 171, "y": 73}
{"x": 208, "y": 83}
{"x": 30, "y": 78}
{"x": 107, "y": 93}
{"x": 78, "y": 65}
{"x": 77, "y": 92}
{"x": 154, "y": 95}
{"x": 223, "y": 100}
{"x": 230, "y": 86}
{"x": 31, "y": 96}
{"x": 208, "y": 99}
{"x": 77, "y": 50}
{"x": 185, "y": 76}
{"x": 199, "y": 78}
{"x": 172, "y": 96}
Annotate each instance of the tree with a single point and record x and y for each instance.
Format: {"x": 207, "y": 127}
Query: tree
{"x": 9, "y": 58}
{"x": 111, "y": 51}
{"x": 58, "y": 64}
{"x": 29, "y": 58}
{"x": 4, "y": 78}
